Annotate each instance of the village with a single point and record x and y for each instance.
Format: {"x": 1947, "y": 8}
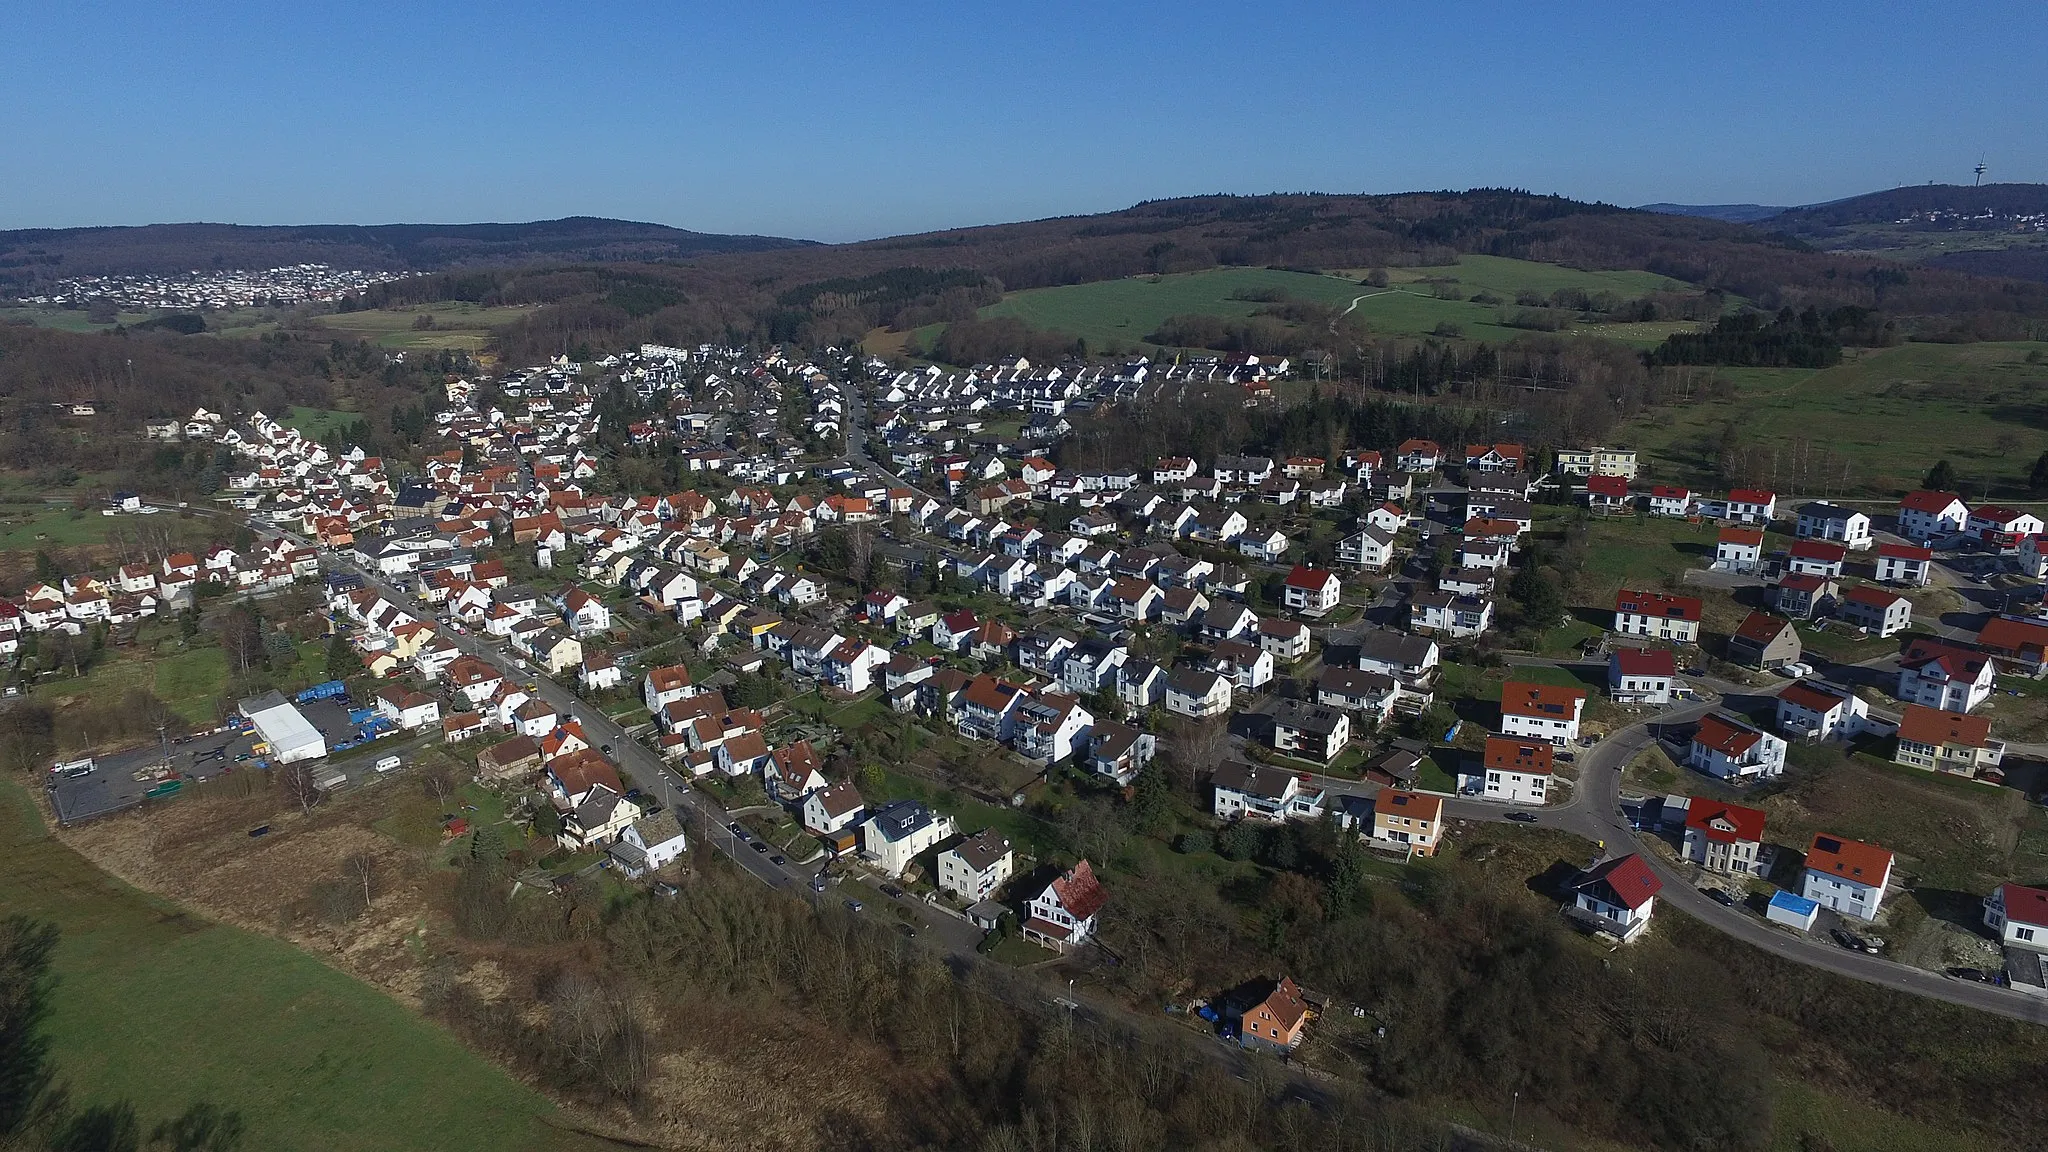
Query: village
{"x": 845, "y": 549}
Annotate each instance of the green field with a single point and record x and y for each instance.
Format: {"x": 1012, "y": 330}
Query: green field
{"x": 165, "y": 1010}
{"x": 1872, "y": 425}
{"x": 70, "y": 319}
{"x": 1126, "y": 311}
{"x": 459, "y": 325}
{"x": 27, "y": 527}
{"x": 317, "y": 422}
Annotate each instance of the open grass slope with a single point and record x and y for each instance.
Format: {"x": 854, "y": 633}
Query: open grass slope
{"x": 458, "y": 325}
{"x": 163, "y": 1009}
{"x": 1125, "y": 311}
{"x": 1870, "y": 426}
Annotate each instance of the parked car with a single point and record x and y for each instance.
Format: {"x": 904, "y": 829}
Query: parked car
{"x": 1721, "y": 896}
{"x": 892, "y": 891}
{"x": 760, "y": 846}
{"x": 853, "y": 905}
{"x": 1977, "y": 974}
{"x": 1522, "y": 817}
{"x": 778, "y": 861}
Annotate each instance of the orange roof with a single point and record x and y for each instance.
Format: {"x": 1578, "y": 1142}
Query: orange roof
{"x": 1657, "y": 604}
{"x": 1415, "y": 805}
{"x": 1923, "y": 725}
{"x": 1849, "y": 859}
{"x": 1726, "y": 736}
{"x": 1522, "y": 698}
{"x": 1529, "y": 757}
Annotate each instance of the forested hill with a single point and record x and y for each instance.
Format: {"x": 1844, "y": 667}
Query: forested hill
{"x": 1956, "y": 206}
{"x": 30, "y": 256}
{"x": 1732, "y": 213}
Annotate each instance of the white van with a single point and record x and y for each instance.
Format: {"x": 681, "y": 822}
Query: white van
{"x": 388, "y": 764}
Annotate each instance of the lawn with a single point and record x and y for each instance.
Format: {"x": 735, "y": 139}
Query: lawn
{"x": 164, "y": 1009}
{"x": 456, "y": 324}
{"x": 315, "y": 423}
{"x": 1870, "y": 426}
{"x": 1026, "y": 831}
{"x": 27, "y": 527}
{"x": 1126, "y": 311}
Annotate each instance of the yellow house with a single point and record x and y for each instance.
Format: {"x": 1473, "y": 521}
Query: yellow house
{"x": 1407, "y": 821}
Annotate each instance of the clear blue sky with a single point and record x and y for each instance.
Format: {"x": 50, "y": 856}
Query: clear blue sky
{"x": 840, "y": 121}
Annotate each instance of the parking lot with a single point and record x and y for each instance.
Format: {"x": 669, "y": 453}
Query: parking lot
{"x": 121, "y": 780}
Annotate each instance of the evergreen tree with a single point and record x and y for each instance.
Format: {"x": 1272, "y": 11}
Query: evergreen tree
{"x": 1942, "y": 477}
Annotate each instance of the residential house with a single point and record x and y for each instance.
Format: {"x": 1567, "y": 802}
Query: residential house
{"x": 974, "y": 868}
{"x": 1051, "y": 726}
{"x": 1816, "y": 558}
{"x": 1936, "y": 674}
{"x": 1517, "y": 770}
{"x": 1370, "y": 694}
{"x": 1739, "y": 550}
{"x": 1063, "y": 915}
{"x": 1811, "y": 710}
{"x": 1310, "y": 591}
{"x": 1657, "y": 616}
{"x": 1743, "y": 505}
{"x": 1118, "y": 752}
{"x": 794, "y": 772}
{"x": 1287, "y": 640}
{"x": 1548, "y": 712}
{"x": 1906, "y": 564}
{"x": 2018, "y": 916}
{"x": 832, "y": 809}
{"x": 1938, "y": 741}
{"x": 2019, "y": 644}
{"x": 1410, "y": 822}
{"x": 1800, "y": 595}
{"x": 1277, "y": 1022}
{"x": 650, "y": 843}
{"x": 1727, "y": 748}
{"x": 1257, "y": 790}
{"x": 665, "y": 685}
{"x": 1821, "y": 520}
{"x": 1607, "y": 494}
{"x": 1764, "y": 641}
{"x": 1452, "y": 616}
{"x": 1197, "y": 693}
{"x": 1725, "y": 839}
{"x": 1641, "y": 675}
{"x": 1140, "y": 684}
{"x": 1883, "y": 613}
{"x": 1846, "y": 875}
{"x": 1670, "y": 500}
{"x": 1617, "y": 896}
{"x": 2001, "y": 527}
{"x": 1925, "y": 515}
{"x": 1309, "y": 731}
{"x": 899, "y": 832}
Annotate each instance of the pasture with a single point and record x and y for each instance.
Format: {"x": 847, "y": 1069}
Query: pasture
{"x": 315, "y": 423}
{"x": 457, "y": 325}
{"x": 1870, "y": 426}
{"x": 1123, "y": 312}
{"x": 164, "y": 1009}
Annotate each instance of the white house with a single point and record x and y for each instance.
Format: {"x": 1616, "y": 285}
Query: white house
{"x": 1641, "y": 675}
{"x": 1243, "y": 789}
{"x": 974, "y": 868}
{"x": 1913, "y": 565}
{"x": 1821, "y": 520}
{"x": 650, "y": 843}
{"x": 832, "y": 809}
{"x": 2018, "y": 915}
{"x": 2001, "y": 527}
{"x": 1197, "y": 693}
{"x": 1883, "y": 612}
{"x": 898, "y": 831}
{"x": 1725, "y": 747}
{"x": 1810, "y": 710}
{"x": 1062, "y": 916}
{"x": 1848, "y": 876}
{"x": 1517, "y": 771}
{"x": 665, "y": 685}
{"x": 1310, "y": 591}
{"x": 1925, "y": 515}
{"x": 1370, "y": 548}
{"x": 1933, "y": 674}
{"x": 1618, "y": 896}
{"x": 1739, "y": 550}
{"x": 1657, "y": 616}
{"x": 1546, "y": 712}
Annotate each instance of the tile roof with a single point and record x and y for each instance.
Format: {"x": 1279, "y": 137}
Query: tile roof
{"x": 1849, "y": 859}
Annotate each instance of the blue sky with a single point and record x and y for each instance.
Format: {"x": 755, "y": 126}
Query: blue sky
{"x": 841, "y": 121}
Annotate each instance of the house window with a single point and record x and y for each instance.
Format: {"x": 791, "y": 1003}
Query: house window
{"x": 2023, "y": 933}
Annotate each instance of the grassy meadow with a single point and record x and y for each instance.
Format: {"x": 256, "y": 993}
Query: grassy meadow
{"x": 1125, "y": 311}
{"x": 458, "y": 325}
{"x": 1870, "y": 426}
{"x": 164, "y": 1009}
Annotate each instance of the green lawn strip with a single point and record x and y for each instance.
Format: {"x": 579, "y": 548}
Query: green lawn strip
{"x": 165, "y": 1009}
{"x": 1026, "y": 831}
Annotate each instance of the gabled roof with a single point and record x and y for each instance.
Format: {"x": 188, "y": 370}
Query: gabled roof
{"x": 1748, "y": 537}
{"x": 1414, "y": 805}
{"x": 1528, "y": 757}
{"x": 2024, "y": 905}
{"x": 1658, "y": 604}
{"x": 1726, "y": 735}
{"x": 1931, "y": 503}
{"x": 1524, "y": 698}
{"x": 1309, "y": 579}
{"x": 1825, "y": 551}
{"x": 1645, "y": 662}
{"x": 1724, "y": 823}
{"x": 1905, "y": 552}
{"x": 1954, "y": 661}
{"x": 1849, "y": 859}
{"x": 1873, "y": 595}
{"x": 1813, "y": 697}
{"x": 1079, "y": 892}
{"x": 1923, "y": 725}
{"x": 1625, "y": 881}
{"x": 1613, "y": 487}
